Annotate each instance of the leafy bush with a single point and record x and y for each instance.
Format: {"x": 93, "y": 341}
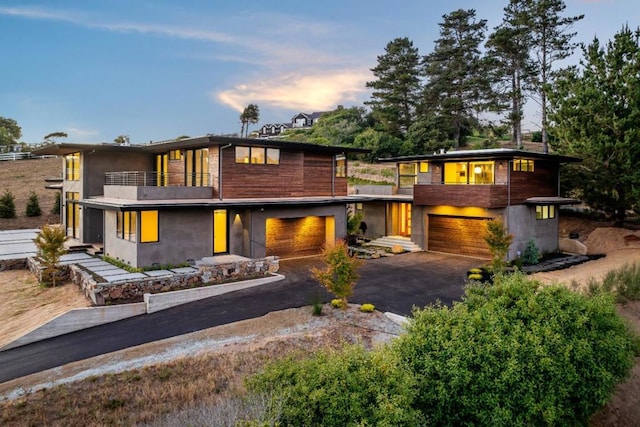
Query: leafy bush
{"x": 56, "y": 205}
{"x": 7, "y": 205}
{"x": 33, "y": 206}
{"x": 516, "y": 353}
{"x": 367, "y": 308}
{"x": 351, "y": 387}
{"x": 624, "y": 283}
{"x": 340, "y": 274}
{"x": 531, "y": 255}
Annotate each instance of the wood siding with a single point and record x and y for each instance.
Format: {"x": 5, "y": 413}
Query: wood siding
{"x": 484, "y": 196}
{"x": 458, "y": 235}
{"x": 542, "y": 182}
{"x": 299, "y": 174}
{"x": 295, "y": 237}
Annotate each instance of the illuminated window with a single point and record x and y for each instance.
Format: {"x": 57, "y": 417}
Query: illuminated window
{"x": 523, "y": 165}
{"x": 469, "y": 173}
{"x": 175, "y": 155}
{"x": 126, "y": 225}
{"x": 162, "y": 170}
{"x": 242, "y": 154}
{"x": 341, "y": 166}
{"x": 72, "y": 167}
{"x": 407, "y": 175}
{"x": 72, "y": 214}
{"x": 197, "y": 167}
{"x": 424, "y": 167}
{"x": 273, "y": 156}
{"x": 257, "y": 155}
{"x": 545, "y": 211}
{"x": 148, "y": 226}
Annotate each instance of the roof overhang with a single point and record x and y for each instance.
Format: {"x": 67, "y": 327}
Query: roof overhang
{"x": 552, "y": 201}
{"x": 69, "y": 148}
{"x": 488, "y": 154}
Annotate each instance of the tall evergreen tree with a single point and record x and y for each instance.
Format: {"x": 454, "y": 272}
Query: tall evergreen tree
{"x": 456, "y": 85}
{"x": 250, "y": 115}
{"x": 511, "y": 66}
{"x": 596, "y": 111}
{"x": 396, "y": 90}
{"x": 551, "y": 42}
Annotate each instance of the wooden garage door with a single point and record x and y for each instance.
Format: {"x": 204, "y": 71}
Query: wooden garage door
{"x": 295, "y": 237}
{"x": 458, "y": 235}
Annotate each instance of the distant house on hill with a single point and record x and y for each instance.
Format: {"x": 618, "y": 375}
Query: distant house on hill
{"x": 299, "y": 121}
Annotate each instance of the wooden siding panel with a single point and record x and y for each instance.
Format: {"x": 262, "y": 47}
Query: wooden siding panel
{"x": 542, "y": 182}
{"x": 458, "y": 235}
{"x": 295, "y": 237}
{"x": 484, "y": 196}
{"x": 318, "y": 175}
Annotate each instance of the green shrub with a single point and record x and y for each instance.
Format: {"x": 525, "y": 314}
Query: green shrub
{"x": 516, "y": 353}
{"x": 624, "y": 283}
{"x": 7, "y": 205}
{"x": 33, "y": 206}
{"x": 351, "y": 387}
{"x": 367, "y": 308}
{"x": 56, "y": 205}
{"x": 531, "y": 255}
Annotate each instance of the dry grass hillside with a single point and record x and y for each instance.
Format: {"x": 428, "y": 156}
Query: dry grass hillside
{"x": 21, "y": 177}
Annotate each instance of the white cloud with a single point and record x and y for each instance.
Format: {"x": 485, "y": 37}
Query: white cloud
{"x": 80, "y": 134}
{"x": 306, "y": 92}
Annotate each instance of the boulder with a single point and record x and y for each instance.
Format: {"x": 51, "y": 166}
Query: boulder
{"x": 397, "y": 249}
{"x": 571, "y": 246}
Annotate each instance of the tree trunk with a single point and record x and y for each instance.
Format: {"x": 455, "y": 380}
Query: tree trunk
{"x": 518, "y": 111}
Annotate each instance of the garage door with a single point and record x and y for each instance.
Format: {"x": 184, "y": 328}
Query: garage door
{"x": 295, "y": 237}
{"x": 458, "y": 235}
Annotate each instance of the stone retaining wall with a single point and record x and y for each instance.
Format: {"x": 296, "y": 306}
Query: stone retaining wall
{"x": 102, "y": 293}
{"x": 37, "y": 269}
{"x": 13, "y": 264}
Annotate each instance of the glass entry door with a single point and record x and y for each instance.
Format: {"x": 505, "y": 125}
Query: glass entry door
{"x": 220, "y": 231}
{"x": 398, "y": 219}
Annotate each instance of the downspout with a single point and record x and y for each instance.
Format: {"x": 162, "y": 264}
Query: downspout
{"x": 333, "y": 175}
{"x": 220, "y": 170}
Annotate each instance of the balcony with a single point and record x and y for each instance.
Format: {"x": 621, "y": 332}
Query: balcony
{"x": 481, "y": 195}
{"x": 141, "y": 185}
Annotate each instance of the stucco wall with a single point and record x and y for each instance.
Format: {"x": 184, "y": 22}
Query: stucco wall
{"x": 374, "y": 216}
{"x": 522, "y": 223}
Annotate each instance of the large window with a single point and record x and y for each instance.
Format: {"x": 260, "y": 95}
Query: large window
{"x": 197, "y": 167}
{"x": 469, "y": 172}
{"x": 72, "y": 167}
{"x": 407, "y": 175}
{"x": 162, "y": 170}
{"x": 523, "y": 165}
{"x": 341, "y": 166}
{"x": 127, "y": 226}
{"x": 72, "y": 214}
{"x": 545, "y": 211}
{"x": 258, "y": 155}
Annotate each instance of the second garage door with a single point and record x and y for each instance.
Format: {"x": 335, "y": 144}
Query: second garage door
{"x": 458, "y": 235}
{"x": 295, "y": 237}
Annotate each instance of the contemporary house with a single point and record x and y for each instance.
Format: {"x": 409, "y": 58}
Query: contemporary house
{"x": 272, "y": 129}
{"x": 175, "y": 201}
{"x": 442, "y": 201}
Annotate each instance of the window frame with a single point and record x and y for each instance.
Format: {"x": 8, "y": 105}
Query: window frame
{"x": 340, "y": 165}
{"x": 545, "y": 212}
{"x": 523, "y": 165}
{"x": 143, "y": 219}
{"x": 127, "y": 225}
{"x": 404, "y": 178}
{"x": 72, "y": 166}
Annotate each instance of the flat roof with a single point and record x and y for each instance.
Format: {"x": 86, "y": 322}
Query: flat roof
{"x": 196, "y": 142}
{"x": 484, "y": 154}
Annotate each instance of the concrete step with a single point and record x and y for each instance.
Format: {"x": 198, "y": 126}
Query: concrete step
{"x": 390, "y": 241}
{"x": 95, "y": 250}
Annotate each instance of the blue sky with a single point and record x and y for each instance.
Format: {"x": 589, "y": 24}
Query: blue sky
{"x": 157, "y": 69}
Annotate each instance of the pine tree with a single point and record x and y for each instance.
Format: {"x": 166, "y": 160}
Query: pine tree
{"x": 7, "y": 205}
{"x": 457, "y": 84}
{"x": 498, "y": 241}
{"x": 551, "y": 42}
{"x": 596, "y": 108}
{"x": 33, "y": 206}
{"x": 56, "y": 205}
{"x": 50, "y": 244}
{"x": 396, "y": 90}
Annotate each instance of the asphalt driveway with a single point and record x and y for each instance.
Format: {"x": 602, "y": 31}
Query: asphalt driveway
{"x": 393, "y": 284}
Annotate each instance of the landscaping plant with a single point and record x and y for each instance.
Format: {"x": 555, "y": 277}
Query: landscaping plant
{"x": 517, "y": 353}
{"x": 56, "y": 205}
{"x": 7, "y": 205}
{"x": 498, "y": 241}
{"x": 33, "y": 206}
{"x": 50, "y": 244}
{"x": 531, "y": 255}
{"x": 340, "y": 274}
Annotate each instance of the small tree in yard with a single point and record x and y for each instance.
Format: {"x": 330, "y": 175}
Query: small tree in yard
{"x": 33, "y": 206}
{"x": 341, "y": 272}
{"x": 50, "y": 244}
{"x": 499, "y": 242}
{"x": 7, "y": 205}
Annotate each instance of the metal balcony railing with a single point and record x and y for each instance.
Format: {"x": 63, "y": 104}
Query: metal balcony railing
{"x": 155, "y": 179}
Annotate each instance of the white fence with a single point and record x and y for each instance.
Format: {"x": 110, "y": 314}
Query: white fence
{"x": 20, "y": 156}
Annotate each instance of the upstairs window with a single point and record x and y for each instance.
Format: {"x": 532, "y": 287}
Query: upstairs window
{"x": 242, "y": 154}
{"x": 523, "y": 165}
{"x": 273, "y": 156}
{"x": 424, "y": 167}
{"x": 407, "y": 175}
{"x": 341, "y": 166}
{"x": 257, "y": 155}
{"x": 469, "y": 173}
{"x": 175, "y": 155}
{"x": 72, "y": 167}
{"x": 545, "y": 211}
